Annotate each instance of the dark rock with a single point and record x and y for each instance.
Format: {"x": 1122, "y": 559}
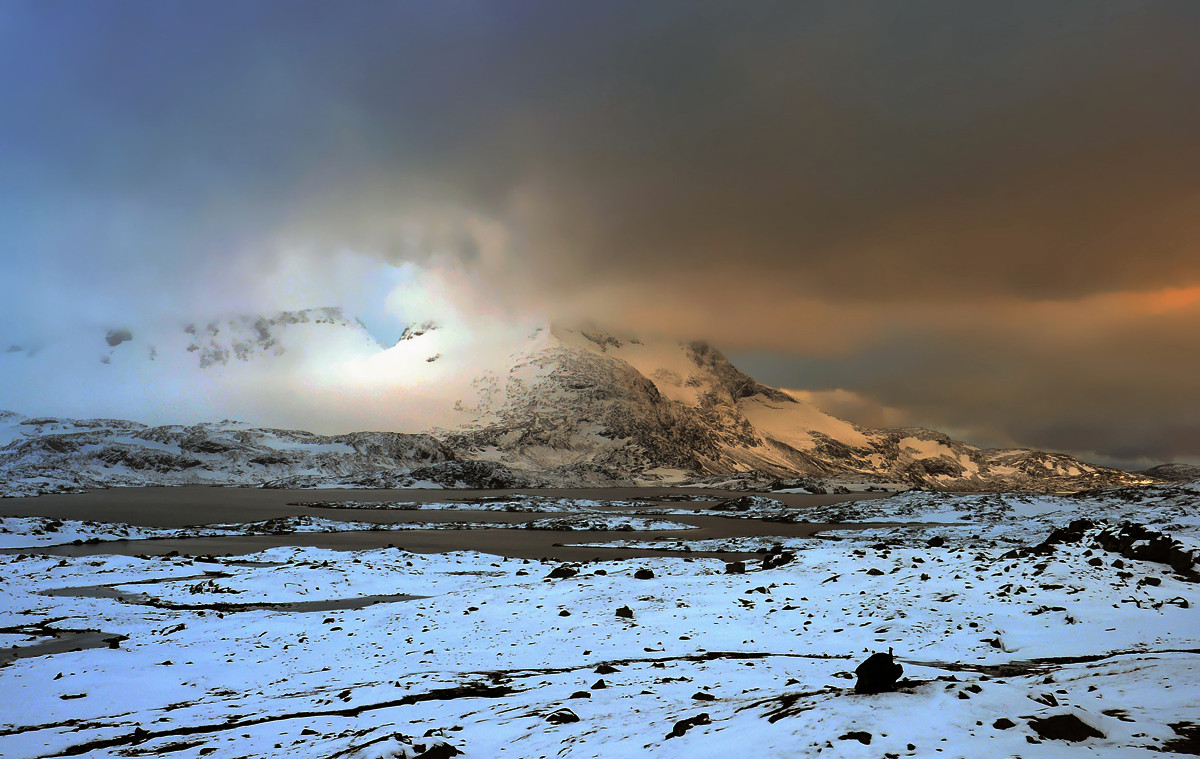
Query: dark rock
{"x": 115, "y": 337}
{"x": 735, "y": 568}
{"x": 599, "y": 684}
{"x": 778, "y": 559}
{"x": 1188, "y": 741}
{"x": 581, "y": 694}
{"x": 683, "y": 725}
{"x": 605, "y": 669}
{"x": 562, "y": 716}
{"x": 874, "y": 572}
{"x": 878, "y": 673}
{"x": 562, "y": 571}
{"x": 1064, "y": 727}
{"x": 1004, "y": 723}
{"x": 438, "y": 751}
{"x": 625, "y": 612}
{"x": 861, "y": 736}
{"x": 702, "y": 696}
{"x": 1072, "y": 533}
{"x": 937, "y": 541}
{"x": 643, "y": 574}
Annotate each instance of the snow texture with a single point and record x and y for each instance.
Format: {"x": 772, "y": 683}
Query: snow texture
{"x": 1001, "y": 633}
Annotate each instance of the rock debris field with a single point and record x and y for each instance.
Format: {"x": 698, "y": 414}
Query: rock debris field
{"x": 1030, "y": 626}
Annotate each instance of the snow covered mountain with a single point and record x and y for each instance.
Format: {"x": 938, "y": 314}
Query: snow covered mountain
{"x": 580, "y": 399}
{"x": 496, "y": 405}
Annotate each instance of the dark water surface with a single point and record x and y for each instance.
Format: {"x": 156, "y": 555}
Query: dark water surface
{"x": 179, "y": 507}
{"x": 182, "y": 506}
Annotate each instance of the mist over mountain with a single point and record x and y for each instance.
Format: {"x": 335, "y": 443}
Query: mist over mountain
{"x": 502, "y": 403}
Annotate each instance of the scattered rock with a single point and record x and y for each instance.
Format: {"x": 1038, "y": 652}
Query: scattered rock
{"x": 599, "y": 684}
{"x": 605, "y": 669}
{"x": 581, "y": 694}
{"x": 861, "y": 736}
{"x": 1064, "y": 727}
{"x": 878, "y": 673}
{"x": 1004, "y": 723}
{"x": 702, "y": 696}
{"x": 683, "y": 725}
{"x": 643, "y": 574}
{"x": 1135, "y": 541}
{"x": 735, "y": 568}
{"x": 561, "y": 572}
{"x": 438, "y": 751}
{"x": 625, "y": 612}
{"x": 562, "y": 716}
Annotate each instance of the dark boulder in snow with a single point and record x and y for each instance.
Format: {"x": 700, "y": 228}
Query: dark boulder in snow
{"x": 1064, "y": 727}
{"x": 437, "y": 751}
{"x": 117, "y": 336}
{"x": 625, "y": 612}
{"x": 878, "y": 673}
{"x": 861, "y": 736}
{"x": 562, "y": 572}
{"x": 644, "y": 574}
{"x": 683, "y": 725}
{"x": 562, "y": 716}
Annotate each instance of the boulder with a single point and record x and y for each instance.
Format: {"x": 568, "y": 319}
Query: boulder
{"x": 683, "y": 725}
{"x": 562, "y": 571}
{"x": 861, "y": 736}
{"x": 878, "y": 674}
{"x": 562, "y": 716}
{"x": 1064, "y": 727}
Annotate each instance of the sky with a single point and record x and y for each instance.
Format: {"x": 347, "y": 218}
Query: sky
{"x": 983, "y": 218}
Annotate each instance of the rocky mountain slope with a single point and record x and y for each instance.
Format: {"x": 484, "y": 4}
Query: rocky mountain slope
{"x": 622, "y": 407}
{"x": 534, "y": 406}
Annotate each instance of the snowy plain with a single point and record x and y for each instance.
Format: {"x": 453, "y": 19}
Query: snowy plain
{"x": 494, "y": 657}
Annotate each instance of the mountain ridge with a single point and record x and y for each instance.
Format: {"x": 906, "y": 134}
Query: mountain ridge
{"x": 549, "y": 406}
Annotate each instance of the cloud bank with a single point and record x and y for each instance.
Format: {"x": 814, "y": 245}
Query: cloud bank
{"x": 986, "y": 218}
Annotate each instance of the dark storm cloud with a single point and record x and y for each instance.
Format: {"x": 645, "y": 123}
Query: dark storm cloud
{"x": 840, "y": 144}
{"x": 667, "y": 159}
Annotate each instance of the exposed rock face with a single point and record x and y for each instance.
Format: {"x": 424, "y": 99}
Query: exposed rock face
{"x": 244, "y": 338}
{"x": 629, "y": 410}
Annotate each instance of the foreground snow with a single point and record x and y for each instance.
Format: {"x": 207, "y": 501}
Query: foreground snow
{"x": 485, "y": 653}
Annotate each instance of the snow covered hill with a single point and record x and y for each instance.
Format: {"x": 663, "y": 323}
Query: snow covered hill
{"x": 497, "y": 405}
{"x": 52, "y": 455}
